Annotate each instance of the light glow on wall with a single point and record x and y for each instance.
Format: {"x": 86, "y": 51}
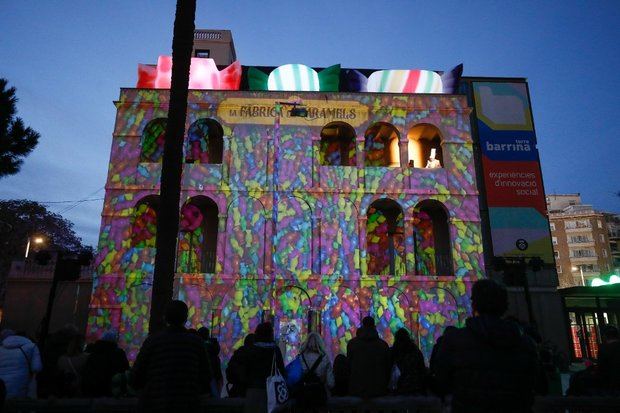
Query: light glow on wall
{"x": 597, "y": 282}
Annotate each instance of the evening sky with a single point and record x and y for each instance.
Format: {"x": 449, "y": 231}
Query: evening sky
{"x": 68, "y": 60}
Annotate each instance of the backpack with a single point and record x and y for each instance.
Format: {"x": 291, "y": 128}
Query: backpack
{"x": 310, "y": 391}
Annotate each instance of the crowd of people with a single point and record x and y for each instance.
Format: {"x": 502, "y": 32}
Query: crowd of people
{"x": 491, "y": 362}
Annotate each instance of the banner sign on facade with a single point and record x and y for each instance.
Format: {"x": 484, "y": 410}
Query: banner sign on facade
{"x": 512, "y": 177}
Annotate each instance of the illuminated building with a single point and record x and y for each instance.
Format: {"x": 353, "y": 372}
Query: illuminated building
{"x": 312, "y": 222}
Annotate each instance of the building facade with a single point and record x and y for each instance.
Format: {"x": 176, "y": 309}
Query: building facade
{"x": 580, "y": 238}
{"x": 311, "y": 222}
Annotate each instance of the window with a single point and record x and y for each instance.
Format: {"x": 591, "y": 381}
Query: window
{"x": 601, "y": 237}
{"x": 554, "y": 240}
{"x": 152, "y": 141}
{"x": 202, "y": 53}
{"x": 552, "y": 225}
{"x": 198, "y": 236}
{"x": 144, "y": 222}
{"x": 381, "y": 142}
{"x": 559, "y": 268}
{"x": 556, "y": 254}
{"x": 432, "y": 250}
{"x": 583, "y": 253}
{"x": 424, "y": 147}
{"x": 599, "y": 223}
{"x": 337, "y": 145}
{"x": 576, "y": 239}
{"x": 572, "y": 202}
{"x": 205, "y": 143}
{"x": 385, "y": 239}
{"x": 605, "y": 253}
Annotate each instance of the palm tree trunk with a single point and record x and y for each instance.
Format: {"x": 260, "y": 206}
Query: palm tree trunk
{"x": 172, "y": 164}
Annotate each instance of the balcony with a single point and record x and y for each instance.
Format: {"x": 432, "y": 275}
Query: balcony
{"x": 584, "y": 228}
{"x": 583, "y": 260}
{"x": 582, "y": 243}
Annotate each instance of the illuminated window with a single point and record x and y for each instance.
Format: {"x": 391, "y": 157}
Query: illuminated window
{"x": 381, "y": 145}
{"x": 205, "y": 142}
{"x": 198, "y": 236}
{"x": 556, "y": 254}
{"x": 203, "y": 53}
{"x": 385, "y": 242}
{"x": 552, "y": 225}
{"x": 152, "y": 142}
{"x": 554, "y": 240}
{"x": 424, "y": 147}
{"x": 599, "y": 223}
{"x": 433, "y": 255}
{"x": 337, "y": 145}
{"x": 144, "y": 222}
{"x": 559, "y": 268}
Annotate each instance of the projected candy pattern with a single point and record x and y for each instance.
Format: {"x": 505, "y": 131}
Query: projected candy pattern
{"x": 378, "y": 243}
{"x": 153, "y": 141}
{"x": 325, "y": 255}
{"x": 335, "y": 152}
{"x": 197, "y": 143}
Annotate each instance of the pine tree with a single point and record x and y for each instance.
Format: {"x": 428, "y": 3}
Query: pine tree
{"x": 16, "y": 140}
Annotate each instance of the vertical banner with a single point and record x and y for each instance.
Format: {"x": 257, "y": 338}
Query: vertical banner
{"x": 511, "y": 167}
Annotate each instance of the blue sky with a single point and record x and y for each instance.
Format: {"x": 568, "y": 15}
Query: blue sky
{"x": 68, "y": 60}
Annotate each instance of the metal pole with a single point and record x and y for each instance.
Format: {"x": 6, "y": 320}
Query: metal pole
{"x": 583, "y": 280}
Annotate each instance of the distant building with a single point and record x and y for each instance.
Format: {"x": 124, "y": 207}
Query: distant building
{"x": 580, "y": 238}
{"x": 27, "y": 291}
{"x": 613, "y": 228}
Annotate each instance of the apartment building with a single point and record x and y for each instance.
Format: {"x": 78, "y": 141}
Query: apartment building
{"x": 580, "y": 239}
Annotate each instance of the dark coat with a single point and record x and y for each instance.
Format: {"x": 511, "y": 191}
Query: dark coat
{"x": 413, "y": 377}
{"x": 609, "y": 365}
{"x": 171, "y": 371}
{"x": 369, "y": 360}
{"x": 104, "y": 361}
{"x": 488, "y": 366}
{"x": 258, "y": 360}
{"x": 235, "y": 372}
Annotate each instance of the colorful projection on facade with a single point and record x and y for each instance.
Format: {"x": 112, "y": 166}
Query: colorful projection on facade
{"x": 512, "y": 176}
{"x": 349, "y": 240}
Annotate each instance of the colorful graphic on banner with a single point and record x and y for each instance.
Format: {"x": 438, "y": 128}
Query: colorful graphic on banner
{"x": 515, "y": 196}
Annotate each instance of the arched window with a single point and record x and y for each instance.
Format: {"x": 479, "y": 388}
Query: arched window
{"x": 205, "y": 142}
{"x": 144, "y": 222}
{"x": 152, "y": 141}
{"x": 198, "y": 236}
{"x": 381, "y": 145}
{"x": 424, "y": 147}
{"x": 433, "y": 255}
{"x": 385, "y": 245}
{"x": 338, "y": 144}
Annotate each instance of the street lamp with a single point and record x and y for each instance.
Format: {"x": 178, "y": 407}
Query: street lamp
{"x": 35, "y": 239}
{"x": 583, "y": 281}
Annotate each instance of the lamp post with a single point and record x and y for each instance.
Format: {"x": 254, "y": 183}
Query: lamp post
{"x": 583, "y": 281}
{"x": 36, "y": 239}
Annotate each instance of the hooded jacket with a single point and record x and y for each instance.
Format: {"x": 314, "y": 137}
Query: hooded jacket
{"x": 488, "y": 366}
{"x": 369, "y": 359}
{"x": 14, "y": 370}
